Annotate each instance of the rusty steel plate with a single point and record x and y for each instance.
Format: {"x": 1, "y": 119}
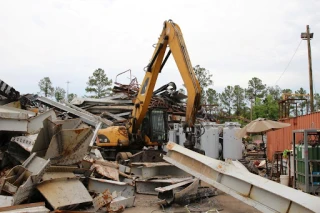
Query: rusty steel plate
{"x": 69, "y": 146}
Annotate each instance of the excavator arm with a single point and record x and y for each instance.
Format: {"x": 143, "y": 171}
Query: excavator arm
{"x": 171, "y": 38}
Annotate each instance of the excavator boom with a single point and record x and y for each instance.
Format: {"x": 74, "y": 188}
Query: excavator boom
{"x": 171, "y": 37}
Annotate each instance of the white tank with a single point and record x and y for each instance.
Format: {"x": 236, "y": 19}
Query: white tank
{"x": 232, "y": 146}
{"x": 172, "y": 135}
{"x": 182, "y": 136}
{"x": 209, "y": 140}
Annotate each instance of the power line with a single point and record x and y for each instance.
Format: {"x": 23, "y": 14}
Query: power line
{"x": 289, "y": 62}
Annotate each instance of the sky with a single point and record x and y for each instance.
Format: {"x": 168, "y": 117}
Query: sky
{"x": 66, "y": 40}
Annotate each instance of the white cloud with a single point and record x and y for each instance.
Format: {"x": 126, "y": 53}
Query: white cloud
{"x": 235, "y": 40}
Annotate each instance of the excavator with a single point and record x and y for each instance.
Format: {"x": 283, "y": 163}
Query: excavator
{"x": 149, "y": 127}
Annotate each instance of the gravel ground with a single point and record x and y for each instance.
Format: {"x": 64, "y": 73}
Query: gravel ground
{"x": 222, "y": 202}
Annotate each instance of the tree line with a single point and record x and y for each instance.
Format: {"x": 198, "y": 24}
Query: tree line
{"x": 233, "y": 103}
{"x": 98, "y": 84}
{"x": 254, "y": 101}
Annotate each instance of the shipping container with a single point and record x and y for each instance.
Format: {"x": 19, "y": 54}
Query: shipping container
{"x": 281, "y": 139}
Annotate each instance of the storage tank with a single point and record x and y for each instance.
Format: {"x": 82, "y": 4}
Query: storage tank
{"x": 181, "y": 135}
{"x": 172, "y": 136}
{"x": 232, "y": 146}
{"x": 209, "y": 140}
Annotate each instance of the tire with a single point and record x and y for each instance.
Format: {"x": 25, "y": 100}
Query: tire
{"x": 129, "y": 155}
{"x": 121, "y": 158}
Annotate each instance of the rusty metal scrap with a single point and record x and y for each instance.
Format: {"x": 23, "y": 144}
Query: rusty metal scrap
{"x": 123, "y": 98}
{"x": 62, "y": 193}
{"x": 102, "y": 200}
{"x": 55, "y": 156}
{"x": 106, "y": 171}
{"x": 69, "y": 146}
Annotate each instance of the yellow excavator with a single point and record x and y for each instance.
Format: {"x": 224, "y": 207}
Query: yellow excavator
{"x": 149, "y": 127}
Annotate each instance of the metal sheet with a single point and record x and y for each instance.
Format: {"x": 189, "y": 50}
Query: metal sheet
{"x": 5, "y": 200}
{"x": 95, "y": 133}
{"x": 69, "y": 123}
{"x": 37, "y": 166}
{"x": 106, "y": 171}
{"x": 100, "y": 185}
{"x": 14, "y": 178}
{"x": 36, "y": 123}
{"x": 122, "y": 201}
{"x": 64, "y": 192}
{"x": 31, "y": 125}
{"x": 263, "y": 194}
{"x": 13, "y": 125}
{"x": 15, "y": 113}
{"x": 57, "y": 175}
{"x": 148, "y": 186}
{"x": 173, "y": 186}
{"x": 25, "y": 142}
{"x": 45, "y": 135}
{"x": 8, "y": 91}
{"x": 69, "y": 146}
{"x": 96, "y": 101}
{"x": 189, "y": 190}
{"x": 149, "y": 170}
{"x": 24, "y": 208}
{"x": 86, "y": 117}
{"x": 171, "y": 192}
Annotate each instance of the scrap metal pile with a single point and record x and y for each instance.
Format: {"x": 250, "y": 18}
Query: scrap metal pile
{"x": 118, "y": 106}
{"x": 48, "y": 162}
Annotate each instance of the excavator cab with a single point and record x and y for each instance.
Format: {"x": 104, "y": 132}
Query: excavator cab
{"x": 155, "y": 125}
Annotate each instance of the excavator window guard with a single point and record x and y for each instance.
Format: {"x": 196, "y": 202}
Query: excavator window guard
{"x": 158, "y": 121}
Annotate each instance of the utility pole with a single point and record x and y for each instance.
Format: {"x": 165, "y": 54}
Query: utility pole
{"x": 308, "y": 36}
{"x": 251, "y": 110}
{"x": 67, "y": 90}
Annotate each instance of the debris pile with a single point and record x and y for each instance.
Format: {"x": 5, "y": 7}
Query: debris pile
{"x": 49, "y": 161}
{"x": 118, "y": 106}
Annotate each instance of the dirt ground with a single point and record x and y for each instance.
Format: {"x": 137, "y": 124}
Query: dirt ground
{"x": 222, "y": 202}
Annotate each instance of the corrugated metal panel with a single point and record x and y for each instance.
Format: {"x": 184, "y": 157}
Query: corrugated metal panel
{"x": 281, "y": 139}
